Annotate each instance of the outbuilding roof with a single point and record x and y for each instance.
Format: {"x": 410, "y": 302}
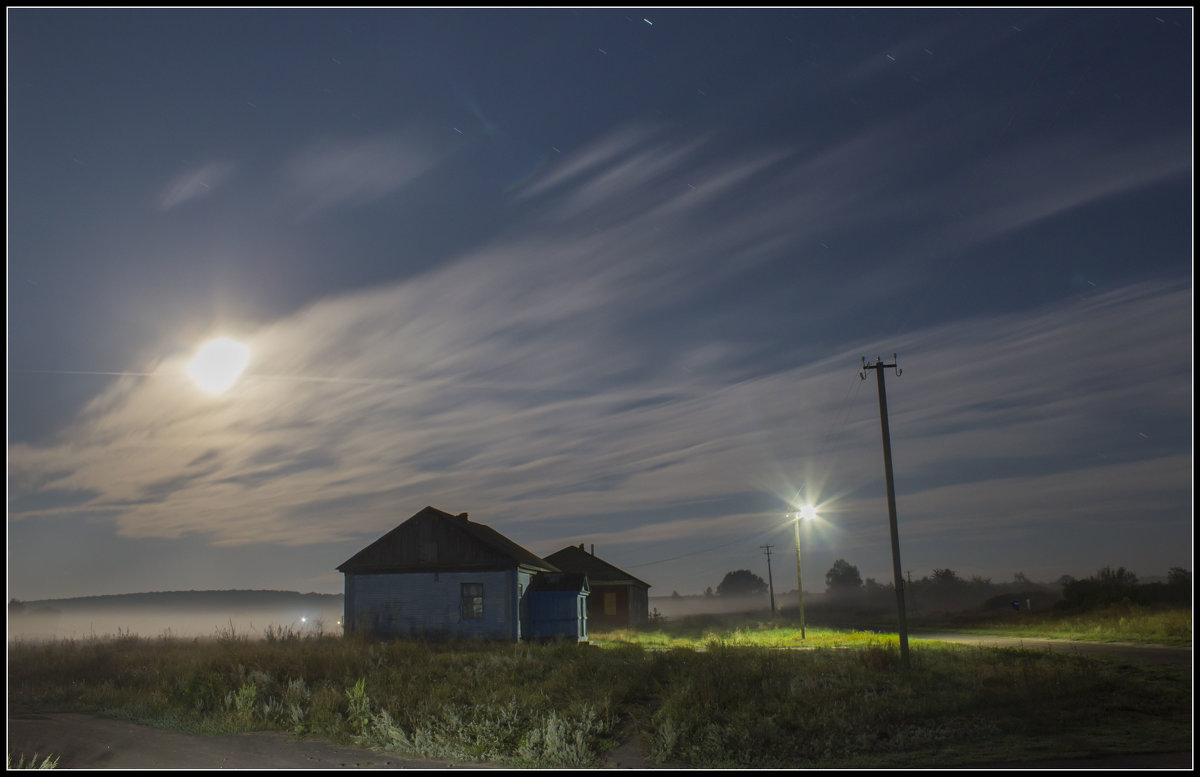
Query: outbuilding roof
{"x": 576, "y": 559}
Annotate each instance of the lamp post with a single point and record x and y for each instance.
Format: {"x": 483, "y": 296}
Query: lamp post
{"x": 804, "y": 513}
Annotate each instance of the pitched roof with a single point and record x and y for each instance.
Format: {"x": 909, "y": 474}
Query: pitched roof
{"x": 576, "y": 559}
{"x": 484, "y": 546}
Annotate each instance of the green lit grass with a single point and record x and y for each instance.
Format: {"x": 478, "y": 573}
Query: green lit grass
{"x": 1119, "y": 623}
{"x": 750, "y": 635}
{"x": 1150, "y": 626}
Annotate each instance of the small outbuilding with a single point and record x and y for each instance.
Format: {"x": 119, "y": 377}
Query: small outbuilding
{"x": 443, "y": 575}
{"x": 558, "y": 606}
{"x": 617, "y": 599}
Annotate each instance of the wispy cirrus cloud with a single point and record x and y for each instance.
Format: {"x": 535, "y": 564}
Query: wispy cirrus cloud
{"x": 195, "y": 184}
{"x": 524, "y": 382}
{"x": 356, "y": 171}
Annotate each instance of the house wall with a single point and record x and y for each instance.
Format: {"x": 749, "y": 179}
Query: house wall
{"x": 639, "y": 605}
{"x": 617, "y": 605}
{"x": 429, "y": 604}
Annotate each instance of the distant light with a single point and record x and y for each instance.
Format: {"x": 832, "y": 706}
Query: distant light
{"x": 303, "y": 619}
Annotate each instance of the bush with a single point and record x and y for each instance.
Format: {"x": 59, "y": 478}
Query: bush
{"x": 1110, "y": 587}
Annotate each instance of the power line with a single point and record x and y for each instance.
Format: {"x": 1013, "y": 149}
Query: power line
{"x": 722, "y": 546}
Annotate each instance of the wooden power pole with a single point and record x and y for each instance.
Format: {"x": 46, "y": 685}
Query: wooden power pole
{"x": 770, "y": 580}
{"x": 879, "y": 366}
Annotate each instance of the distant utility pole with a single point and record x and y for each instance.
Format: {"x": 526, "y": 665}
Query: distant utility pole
{"x": 879, "y": 366}
{"x": 770, "y": 580}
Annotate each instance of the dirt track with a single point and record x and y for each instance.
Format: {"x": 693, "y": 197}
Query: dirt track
{"x": 86, "y": 742}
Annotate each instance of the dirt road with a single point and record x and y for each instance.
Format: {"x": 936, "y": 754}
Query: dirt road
{"x": 86, "y": 742}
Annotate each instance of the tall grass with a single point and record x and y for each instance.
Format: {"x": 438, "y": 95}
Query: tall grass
{"x": 736, "y": 703}
{"x": 757, "y": 707}
{"x": 49, "y": 762}
{"x": 524, "y": 704}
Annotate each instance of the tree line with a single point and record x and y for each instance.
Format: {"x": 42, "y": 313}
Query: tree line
{"x": 945, "y": 590}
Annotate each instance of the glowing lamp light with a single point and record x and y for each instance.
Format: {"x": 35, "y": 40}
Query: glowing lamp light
{"x": 218, "y": 364}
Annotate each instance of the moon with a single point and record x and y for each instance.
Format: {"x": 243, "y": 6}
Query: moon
{"x": 218, "y": 364}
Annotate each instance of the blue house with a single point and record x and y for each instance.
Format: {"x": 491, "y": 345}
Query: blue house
{"x": 443, "y": 575}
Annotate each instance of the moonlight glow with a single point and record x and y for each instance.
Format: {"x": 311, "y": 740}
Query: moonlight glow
{"x": 218, "y": 364}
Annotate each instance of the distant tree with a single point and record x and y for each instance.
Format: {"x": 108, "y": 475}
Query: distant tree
{"x": 15, "y": 606}
{"x": 872, "y": 585}
{"x": 1119, "y": 577}
{"x": 741, "y": 582}
{"x": 1178, "y": 576}
{"x": 708, "y": 593}
{"x": 843, "y": 578}
{"x": 946, "y": 577}
{"x": 1108, "y": 586}
{"x": 1020, "y": 579}
{"x": 675, "y": 595}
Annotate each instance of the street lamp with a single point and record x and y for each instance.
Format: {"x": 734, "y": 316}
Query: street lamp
{"x": 806, "y": 512}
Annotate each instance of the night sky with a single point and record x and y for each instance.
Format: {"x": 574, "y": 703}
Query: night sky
{"x": 598, "y": 276}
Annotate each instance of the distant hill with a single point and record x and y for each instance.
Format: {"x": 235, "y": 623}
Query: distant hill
{"x": 176, "y": 613}
{"x": 185, "y": 602}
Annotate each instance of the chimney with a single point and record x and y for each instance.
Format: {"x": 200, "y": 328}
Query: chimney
{"x": 593, "y": 548}
{"x": 581, "y": 546}
{"x": 461, "y": 515}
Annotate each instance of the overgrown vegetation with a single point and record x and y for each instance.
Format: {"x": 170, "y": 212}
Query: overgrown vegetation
{"x": 1119, "y": 586}
{"x": 737, "y": 702}
{"x": 49, "y": 762}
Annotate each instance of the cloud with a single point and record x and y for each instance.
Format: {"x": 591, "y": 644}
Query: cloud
{"x": 1037, "y": 181}
{"x": 527, "y": 382}
{"x": 468, "y": 432}
{"x": 356, "y": 172}
{"x": 195, "y": 184}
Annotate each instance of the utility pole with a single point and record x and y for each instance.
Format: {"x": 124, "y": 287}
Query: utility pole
{"x": 879, "y": 366}
{"x": 770, "y": 580}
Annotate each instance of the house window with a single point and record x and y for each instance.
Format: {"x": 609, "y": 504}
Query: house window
{"x": 610, "y": 604}
{"x": 472, "y": 601}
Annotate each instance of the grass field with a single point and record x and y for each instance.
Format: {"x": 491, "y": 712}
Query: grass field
{"x": 1118, "y": 623}
{"x": 739, "y": 702}
{"x": 1121, "y": 623}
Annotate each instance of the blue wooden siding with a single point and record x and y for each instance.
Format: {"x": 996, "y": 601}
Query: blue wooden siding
{"x": 430, "y": 604}
{"x": 558, "y": 615}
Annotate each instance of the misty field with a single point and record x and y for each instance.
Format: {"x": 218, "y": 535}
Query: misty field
{"x": 738, "y": 701}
